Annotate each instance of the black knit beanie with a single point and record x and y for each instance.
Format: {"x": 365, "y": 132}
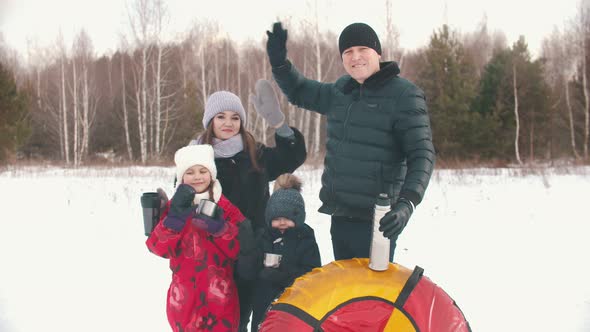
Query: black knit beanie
{"x": 359, "y": 34}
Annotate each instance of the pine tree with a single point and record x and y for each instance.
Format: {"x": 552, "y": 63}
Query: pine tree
{"x": 449, "y": 80}
{"x": 14, "y": 126}
{"x": 533, "y": 100}
{"x": 495, "y": 105}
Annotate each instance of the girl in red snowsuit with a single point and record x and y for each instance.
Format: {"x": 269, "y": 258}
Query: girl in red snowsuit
{"x": 202, "y": 249}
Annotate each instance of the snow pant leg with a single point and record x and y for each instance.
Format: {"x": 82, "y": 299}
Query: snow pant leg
{"x": 245, "y": 295}
{"x": 264, "y": 295}
{"x": 351, "y": 238}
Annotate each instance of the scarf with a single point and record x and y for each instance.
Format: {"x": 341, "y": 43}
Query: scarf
{"x": 224, "y": 148}
{"x": 205, "y": 194}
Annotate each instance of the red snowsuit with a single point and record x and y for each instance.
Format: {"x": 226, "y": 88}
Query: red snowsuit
{"x": 202, "y": 295}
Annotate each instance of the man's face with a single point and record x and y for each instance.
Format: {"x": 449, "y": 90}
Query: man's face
{"x": 360, "y": 62}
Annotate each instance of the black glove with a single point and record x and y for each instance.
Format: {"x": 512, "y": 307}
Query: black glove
{"x": 276, "y": 276}
{"x": 249, "y": 261}
{"x": 246, "y": 236}
{"x": 276, "y": 45}
{"x": 393, "y": 223}
{"x": 181, "y": 207}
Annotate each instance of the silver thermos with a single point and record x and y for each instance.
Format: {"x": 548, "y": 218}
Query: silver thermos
{"x": 379, "y": 254}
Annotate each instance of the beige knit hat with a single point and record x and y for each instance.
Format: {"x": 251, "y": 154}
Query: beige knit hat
{"x": 188, "y": 156}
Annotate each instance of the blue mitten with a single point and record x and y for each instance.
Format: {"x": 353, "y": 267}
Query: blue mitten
{"x": 214, "y": 226}
{"x": 181, "y": 208}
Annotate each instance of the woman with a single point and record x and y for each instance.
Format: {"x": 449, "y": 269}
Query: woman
{"x": 245, "y": 167}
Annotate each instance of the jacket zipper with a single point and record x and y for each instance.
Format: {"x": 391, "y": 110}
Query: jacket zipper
{"x": 341, "y": 141}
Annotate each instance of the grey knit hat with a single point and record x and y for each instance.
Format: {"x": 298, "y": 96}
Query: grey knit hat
{"x": 286, "y": 201}
{"x": 358, "y": 34}
{"x": 223, "y": 101}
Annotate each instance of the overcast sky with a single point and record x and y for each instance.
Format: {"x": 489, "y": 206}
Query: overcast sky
{"x": 104, "y": 20}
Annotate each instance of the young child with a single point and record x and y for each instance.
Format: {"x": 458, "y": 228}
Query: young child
{"x": 202, "y": 249}
{"x": 287, "y": 235}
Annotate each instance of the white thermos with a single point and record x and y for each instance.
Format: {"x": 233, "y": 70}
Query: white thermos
{"x": 379, "y": 254}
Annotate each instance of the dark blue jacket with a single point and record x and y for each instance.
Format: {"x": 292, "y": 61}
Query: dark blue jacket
{"x": 300, "y": 254}
{"x": 298, "y": 247}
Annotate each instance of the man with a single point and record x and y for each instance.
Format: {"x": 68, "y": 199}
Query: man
{"x": 377, "y": 125}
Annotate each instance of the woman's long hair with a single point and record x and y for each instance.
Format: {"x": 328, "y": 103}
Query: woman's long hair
{"x": 249, "y": 143}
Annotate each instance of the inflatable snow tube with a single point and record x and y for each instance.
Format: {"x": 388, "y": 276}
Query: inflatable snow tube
{"x": 346, "y": 295}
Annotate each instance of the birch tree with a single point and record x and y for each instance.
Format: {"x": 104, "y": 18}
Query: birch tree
{"x": 75, "y": 117}
{"x": 123, "y": 58}
{"x": 392, "y": 47}
{"x": 581, "y": 36}
{"x": 84, "y": 54}
{"x": 63, "y": 106}
{"x": 200, "y": 38}
{"x": 317, "y": 117}
{"x": 557, "y": 51}
{"x": 585, "y": 20}
{"x": 516, "y": 119}
{"x": 146, "y": 18}
{"x": 38, "y": 59}
{"x": 160, "y": 20}
{"x": 140, "y": 17}
{"x": 479, "y": 45}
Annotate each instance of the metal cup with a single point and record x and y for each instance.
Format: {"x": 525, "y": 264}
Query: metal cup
{"x": 150, "y": 202}
{"x": 209, "y": 208}
{"x": 272, "y": 260}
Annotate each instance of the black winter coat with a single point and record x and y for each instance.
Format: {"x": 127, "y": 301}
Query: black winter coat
{"x": 298, "y": 247}
{"x": 248, "y": 189}
{"x": 374, "y": 130}
{"x": 300, "y": 254}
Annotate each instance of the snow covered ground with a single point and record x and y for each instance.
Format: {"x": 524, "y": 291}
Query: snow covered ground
{"x": 510, "y": 247}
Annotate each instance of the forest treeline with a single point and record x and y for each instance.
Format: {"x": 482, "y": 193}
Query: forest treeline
{"x": 488, "y": 101}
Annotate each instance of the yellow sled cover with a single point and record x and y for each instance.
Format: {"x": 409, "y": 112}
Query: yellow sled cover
{"x": 348, "y": 296}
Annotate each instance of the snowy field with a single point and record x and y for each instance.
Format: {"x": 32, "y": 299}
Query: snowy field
{"x": 510, "y": 247}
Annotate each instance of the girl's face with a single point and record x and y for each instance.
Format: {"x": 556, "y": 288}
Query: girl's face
{"x": 282, "y": 224}
{"x": 197, "y": 177}
{"x": 226, "y": 124}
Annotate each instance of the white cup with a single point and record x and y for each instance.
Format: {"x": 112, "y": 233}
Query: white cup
{"x": 272, "y": 260}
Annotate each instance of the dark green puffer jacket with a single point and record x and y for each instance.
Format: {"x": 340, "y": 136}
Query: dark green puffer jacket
{"x": 374, "y": 131}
